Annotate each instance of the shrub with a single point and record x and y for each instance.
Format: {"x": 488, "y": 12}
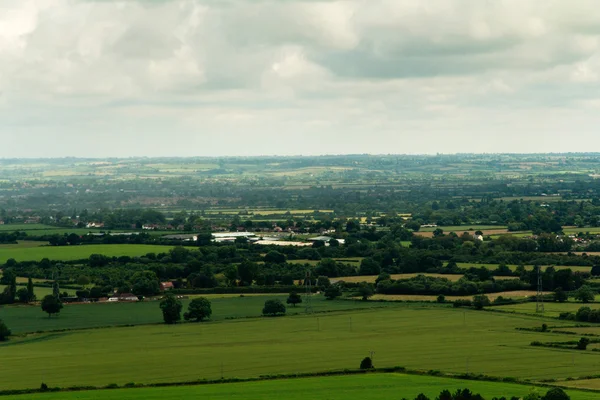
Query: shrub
{"x": 441, "y": 298}
{"x": 273, "y": 308}
{"x": 461, "y": 303}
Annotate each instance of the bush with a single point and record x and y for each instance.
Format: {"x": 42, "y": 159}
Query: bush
{"x": 461, "y": 303}
{"x": 441, "y": 298}
{"x": 332, "y": 292}
{"x": 273, "y": 308}
{"x": 366, "y": 363}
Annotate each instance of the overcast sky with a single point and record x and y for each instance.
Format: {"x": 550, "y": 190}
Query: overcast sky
{"x": 232, "y": 77}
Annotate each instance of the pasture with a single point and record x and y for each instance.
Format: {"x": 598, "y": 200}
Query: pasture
{"x": 348, "y": 387}
{"x": 69, "y": 253}
{"x": 516, "y": 294}
{"x": 30, "y": 318}
{"x": 415, "y": 336}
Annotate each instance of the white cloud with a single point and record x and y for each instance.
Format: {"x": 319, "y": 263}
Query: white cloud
{"x": 329, "y": 76}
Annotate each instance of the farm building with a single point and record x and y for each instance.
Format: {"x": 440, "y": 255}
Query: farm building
{"x": 185, "y": 237}
{"x": 123, "y": 297}
{"x": 166, "y": 286}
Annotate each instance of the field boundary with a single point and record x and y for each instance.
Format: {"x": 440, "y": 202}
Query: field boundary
{"x": 390, "y": 370}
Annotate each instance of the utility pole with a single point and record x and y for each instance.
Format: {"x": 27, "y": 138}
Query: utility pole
{"x": 308, "y": 293}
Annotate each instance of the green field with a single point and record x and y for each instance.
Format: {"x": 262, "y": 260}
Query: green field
{"x": 349, "y": 387}
{"x": 550, "y": 309}
{"x": 423, "y": 337}
{"x": 463, "y": 228}
{"x": 39, "y": 292}
{"x": 68, "y": 253}
{"x": 527, "y": 267}
{"x": 23, "y": 227}
{"x": 31, "y": 318}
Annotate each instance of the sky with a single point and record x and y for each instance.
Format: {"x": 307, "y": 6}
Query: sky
{"x": 99, "y": 78}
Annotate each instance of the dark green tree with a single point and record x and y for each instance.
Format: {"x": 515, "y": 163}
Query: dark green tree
{"x": 198, "y": 310}
{"x": 4, "y": 331}
{"x": 30, "y": 292}
{"x": 247, "y": 271}
{"x": 273, "y": 308}
{"x": 51, "y": 305}
{"x": 585, "y": 294}
{"x": 583, "y": 343}
{"x": 480, "y": 301}
{"x": 365, "y": 291}
{"x": 332, "y": 292}
{"x": 171, "y": 309}
{"x": 366, "y": 363}
{"x": 556, "y": 394}
{"x": 55, "y": 290}
{"x": 560, "y": 295}
{"x": 294, "y": 298}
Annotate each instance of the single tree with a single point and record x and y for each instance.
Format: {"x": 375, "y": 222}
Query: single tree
{"x": 30, "y": 293}
{"x": 560, "y": 295}
{"x": 198, "y": 310}
{"x": 365, "y": 291}
{"x": 556, "y": 394}
{"x": 366, "y": 363}
{"x": 441, "y": 298}
{"x": 585, "y": 294}
{"x": 332, "y": 292}
{"x": 23, "y": 295}
{"x": 294, "y": 298}
{"x": 171, "y": 309}
{"x": 51, "y": 305}
{"x": 421, "y": 396}
{"x": 583, "y": 343}
{"x": 480, "y": 301}
{"x": 4, "y": 332}
{"x": 323, "y": 282}
{"x": 273, "y": 308}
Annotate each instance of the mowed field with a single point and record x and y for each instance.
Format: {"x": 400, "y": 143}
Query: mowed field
{"x": 348, "y": 387}
{"x": 420, "y": 337}
{"x": 31, "y": 318}
{"x": 69, "y": 253}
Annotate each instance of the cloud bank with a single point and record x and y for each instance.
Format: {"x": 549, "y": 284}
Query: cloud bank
{"x": 232, "y": 77}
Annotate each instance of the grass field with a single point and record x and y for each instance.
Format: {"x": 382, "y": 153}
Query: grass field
{"x": 372, "y": 278}
{"x": 22, "y": 244}
{"x": 417, "y": 337}
{"x": 39, "y": 292}
{"x": 517, "y": 294}
{"x": 349, "y": 387}
{"x": 31, "y": 318}
{"x": 463, "y": 228}
{"x": 527, "y": 267}
{"x": 550, "y": 309}
{"x": 68, "y": 253}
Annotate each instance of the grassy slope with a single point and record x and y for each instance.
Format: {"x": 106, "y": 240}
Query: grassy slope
{"x": 372, "y": 386}
{"x": 551, "y": 309}
{"x": 67, "y": 253}
{"x": 31, "y": 318}
{"x": 416, "y": 337}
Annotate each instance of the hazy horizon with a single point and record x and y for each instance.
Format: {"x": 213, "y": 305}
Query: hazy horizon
{"x": 98, "y": 79}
